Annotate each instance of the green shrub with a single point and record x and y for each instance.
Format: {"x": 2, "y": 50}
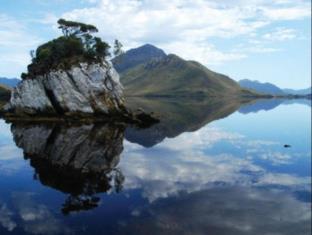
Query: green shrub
{"x": 77, "y": 45}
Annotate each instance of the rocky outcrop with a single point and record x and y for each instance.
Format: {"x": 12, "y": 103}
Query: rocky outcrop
{"x": 85, "y": 89}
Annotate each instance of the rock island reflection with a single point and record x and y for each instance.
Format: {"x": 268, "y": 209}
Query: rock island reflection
{"x": 78, "y": 160}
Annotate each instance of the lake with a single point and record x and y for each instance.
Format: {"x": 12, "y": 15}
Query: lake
{"x": 209, "y": 167}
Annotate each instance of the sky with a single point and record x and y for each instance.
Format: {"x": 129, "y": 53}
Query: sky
{"x": 264, "y": 40}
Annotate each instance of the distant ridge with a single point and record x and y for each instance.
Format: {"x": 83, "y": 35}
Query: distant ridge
{"x": 148, "y": 71}
{"x": 265, "y": 88}
{"x": 9, "y": 82}
{"x": 306, "y": 91}
{"x": 269, "y": 88}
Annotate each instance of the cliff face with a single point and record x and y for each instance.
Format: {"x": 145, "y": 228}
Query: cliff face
{"x": 84, "y": 89}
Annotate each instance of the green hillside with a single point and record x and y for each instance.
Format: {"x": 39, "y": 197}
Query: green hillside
{"x": 174, "y": 76}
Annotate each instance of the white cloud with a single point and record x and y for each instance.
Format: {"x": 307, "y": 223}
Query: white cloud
{"x": 15, "y": 43}
{"x": 49, "y": 19}
{"x": 187, "y": 27}
{"x": 183, "y": 27}
{"x": 205, "y": 53}
{"x": 280, "y": 34}
{"x": 288, "y": 13}
{"x": 256, "y": 48}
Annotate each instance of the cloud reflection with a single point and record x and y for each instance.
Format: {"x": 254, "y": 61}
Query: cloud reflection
{"x": 224, "y": 210}
{"x": 36, "y": 218}
{"x": 6, "y": 218}
{"x": 190, "y": 163}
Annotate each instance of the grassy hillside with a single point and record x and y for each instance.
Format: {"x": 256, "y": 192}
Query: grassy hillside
{"x": 173, "y": 76}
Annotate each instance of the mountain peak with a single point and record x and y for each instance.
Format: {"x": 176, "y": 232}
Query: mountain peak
{"x": 148, "y": 46}
{"x": 147, "y": 50}
{"x": 137, "y": 56}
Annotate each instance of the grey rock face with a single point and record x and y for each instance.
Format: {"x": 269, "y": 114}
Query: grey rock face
{"x": 84, "y": 89}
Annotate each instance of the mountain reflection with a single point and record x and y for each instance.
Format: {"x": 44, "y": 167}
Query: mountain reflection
{"x": 228, "y": 177}
{"x": 178, "y": 116}
{"x": 190, "y": 114}
{"x": 82, "y": 160}
{"x": 78, "y": 160}
{"x": 269, "y": 104}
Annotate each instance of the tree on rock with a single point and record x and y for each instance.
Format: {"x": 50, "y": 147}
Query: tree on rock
{"x": 117, "y": 48}
{"x": 76, "y": 46}
{"x": 70, "y": 28}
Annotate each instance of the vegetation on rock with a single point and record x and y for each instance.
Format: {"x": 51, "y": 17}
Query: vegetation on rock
{"x": 118, "y": 48}
{"x": 5, "y": 93}
{"x": 75, "y": 46}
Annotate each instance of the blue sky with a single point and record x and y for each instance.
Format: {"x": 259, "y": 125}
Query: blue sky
{"x": 265, "y": 40}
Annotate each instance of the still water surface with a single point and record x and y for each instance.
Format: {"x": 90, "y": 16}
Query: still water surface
{"x": 207, "y": 168}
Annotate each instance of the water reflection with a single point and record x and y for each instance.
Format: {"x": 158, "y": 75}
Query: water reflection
{"x": 268, "y": 104}
{"x": 78, "y": 160}
{"x": 231, "y": 176}
{"x": 223, "y": 210}
{"x": 178, "y": 116}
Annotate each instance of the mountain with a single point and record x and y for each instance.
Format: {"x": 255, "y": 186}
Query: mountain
{"x": 137, "y": 56}
{"x": 306, "y": 91}
{"x": 265, "y": 88}
{"x": 269, "y": 88}
{"x": 153, "y": 73}
{"x": 9, "y": 82}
